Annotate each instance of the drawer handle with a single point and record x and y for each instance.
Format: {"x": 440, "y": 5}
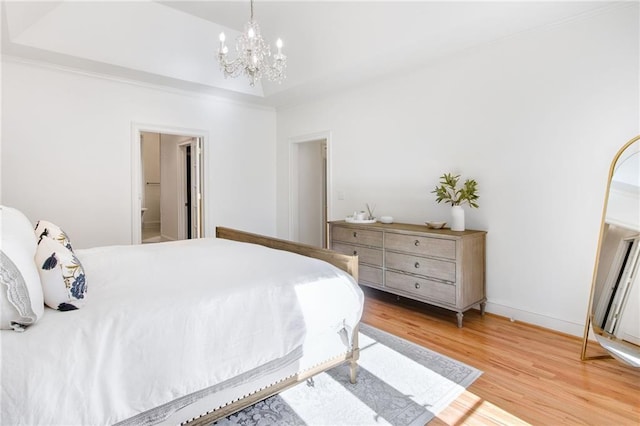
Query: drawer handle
{"x": 417, "y": 285}
{"x": 417, "y": 265}
{"x": 355, "y": 234}
{"x": 417, "y": 243}
{"x": 355, "y": 252}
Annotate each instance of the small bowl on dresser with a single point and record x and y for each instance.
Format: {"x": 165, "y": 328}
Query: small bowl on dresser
{"x": 386, "y": 219}
{"x": 436, "y": 225}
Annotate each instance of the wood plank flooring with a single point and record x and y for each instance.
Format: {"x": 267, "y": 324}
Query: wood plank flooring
{"x": 531, "y": 375}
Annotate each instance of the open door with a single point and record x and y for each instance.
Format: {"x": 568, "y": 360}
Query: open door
{"x": 195, "y": 193}
{"x": 621, "y": 276}
{"x": 191, "y": 190}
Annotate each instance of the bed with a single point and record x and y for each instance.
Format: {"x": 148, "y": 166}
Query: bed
{"x": 183, "y": 332}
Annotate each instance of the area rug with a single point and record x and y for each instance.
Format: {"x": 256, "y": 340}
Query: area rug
{"x": 399, "y": 383}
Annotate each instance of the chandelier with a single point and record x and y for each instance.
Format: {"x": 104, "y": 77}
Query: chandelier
{"x": 253, "y": 56}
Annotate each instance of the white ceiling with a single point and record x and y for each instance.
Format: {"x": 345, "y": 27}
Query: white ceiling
{"x": 330, "y": 45}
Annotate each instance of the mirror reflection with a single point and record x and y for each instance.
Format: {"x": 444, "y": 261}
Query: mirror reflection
{"x": 614, "y": 313}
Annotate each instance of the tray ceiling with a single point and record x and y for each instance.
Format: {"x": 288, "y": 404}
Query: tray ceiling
{"x": 330, "y": 45}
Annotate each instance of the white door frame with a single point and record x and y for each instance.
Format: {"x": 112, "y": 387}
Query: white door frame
{"x": 293, "y": 178}
{"x": 136, "y": 170}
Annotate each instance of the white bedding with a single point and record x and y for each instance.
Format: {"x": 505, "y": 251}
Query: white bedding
{"x": 165, "y": 320}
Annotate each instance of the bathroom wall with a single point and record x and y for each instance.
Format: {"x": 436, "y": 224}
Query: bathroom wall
{"x": 151, "y": 181}
{"x": 170, "y": 198}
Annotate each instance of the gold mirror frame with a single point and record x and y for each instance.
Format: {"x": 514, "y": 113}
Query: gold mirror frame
{"x": 603, "y": 225}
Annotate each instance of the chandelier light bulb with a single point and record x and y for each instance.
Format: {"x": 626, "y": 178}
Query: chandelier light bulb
{"x": 251, "y": 33}
{"x": 279, "y": 45}
{"x": 223, "y": 48}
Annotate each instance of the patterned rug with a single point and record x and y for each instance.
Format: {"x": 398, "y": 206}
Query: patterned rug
{"x": 399, "y": 383}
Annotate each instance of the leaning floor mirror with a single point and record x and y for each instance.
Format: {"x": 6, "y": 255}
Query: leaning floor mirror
{"x": 614, "y": 304}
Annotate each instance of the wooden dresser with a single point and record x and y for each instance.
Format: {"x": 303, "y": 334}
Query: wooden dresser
{"x": 436, "y": 266}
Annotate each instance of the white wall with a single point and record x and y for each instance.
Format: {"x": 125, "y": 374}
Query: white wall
{"x": 151, "y": 182}
{"x": 535, "y": 119}
{"x": 66, "y": 152}
{"x": 170, "y": 180}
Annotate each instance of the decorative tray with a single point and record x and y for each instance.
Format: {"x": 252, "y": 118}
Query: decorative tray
{"x": 350, "y": 219}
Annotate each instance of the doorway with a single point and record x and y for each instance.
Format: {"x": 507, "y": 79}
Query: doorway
{"x": 189, "y": 182}
{"x": 167, "y": 185}
{"x": 309, "y": 183}
{"x": 619, "y": 286}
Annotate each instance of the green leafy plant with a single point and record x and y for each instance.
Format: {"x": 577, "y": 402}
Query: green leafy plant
{"x": 449, "y": 192}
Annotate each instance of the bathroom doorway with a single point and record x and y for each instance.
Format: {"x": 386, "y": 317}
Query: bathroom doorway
{"x": 168, "y": 189}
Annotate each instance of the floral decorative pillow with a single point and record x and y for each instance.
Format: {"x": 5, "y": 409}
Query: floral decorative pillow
{"x": 47, "y": 229}
{"x": 63, "y": 279}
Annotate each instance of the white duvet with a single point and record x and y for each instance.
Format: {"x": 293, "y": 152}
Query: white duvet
{"x": 165, "y": 320}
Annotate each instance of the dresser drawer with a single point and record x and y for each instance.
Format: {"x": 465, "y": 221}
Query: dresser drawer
{"x": 433, "y": 268}
{"x": 420, "y": 287}
{"x": 370, "y": 275}
{"x": 357, "y": 236}
{"x": 372, "y": 256}
{"x": 426, "y": 246}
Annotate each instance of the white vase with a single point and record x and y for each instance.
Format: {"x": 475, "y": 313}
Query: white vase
{"x": 457, "y": 218}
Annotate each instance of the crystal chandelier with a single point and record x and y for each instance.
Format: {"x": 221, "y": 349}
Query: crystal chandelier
{"x": 253, "y": 56}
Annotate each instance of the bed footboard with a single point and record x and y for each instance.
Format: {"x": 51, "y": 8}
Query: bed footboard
{"x": 345, "y": 262}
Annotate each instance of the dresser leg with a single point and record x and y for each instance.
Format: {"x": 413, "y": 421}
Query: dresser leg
{"x": 483, "y": 305}
{"x": 459, "y": 315}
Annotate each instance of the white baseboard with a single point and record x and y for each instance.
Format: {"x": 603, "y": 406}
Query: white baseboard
{"x": 631, "y": 338}
{"x": 563, "y": 326}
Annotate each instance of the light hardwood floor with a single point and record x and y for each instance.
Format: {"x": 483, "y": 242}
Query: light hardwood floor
{"x": 530, "y": 375}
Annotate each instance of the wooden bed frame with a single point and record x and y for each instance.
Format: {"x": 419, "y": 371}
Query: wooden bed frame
{"x": 347, "y": 263}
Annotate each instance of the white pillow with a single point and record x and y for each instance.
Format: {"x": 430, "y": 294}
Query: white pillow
{"x": 45, "y": 228}
{"x": 62, "y": 275}
{"x": 21, "y": 298}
